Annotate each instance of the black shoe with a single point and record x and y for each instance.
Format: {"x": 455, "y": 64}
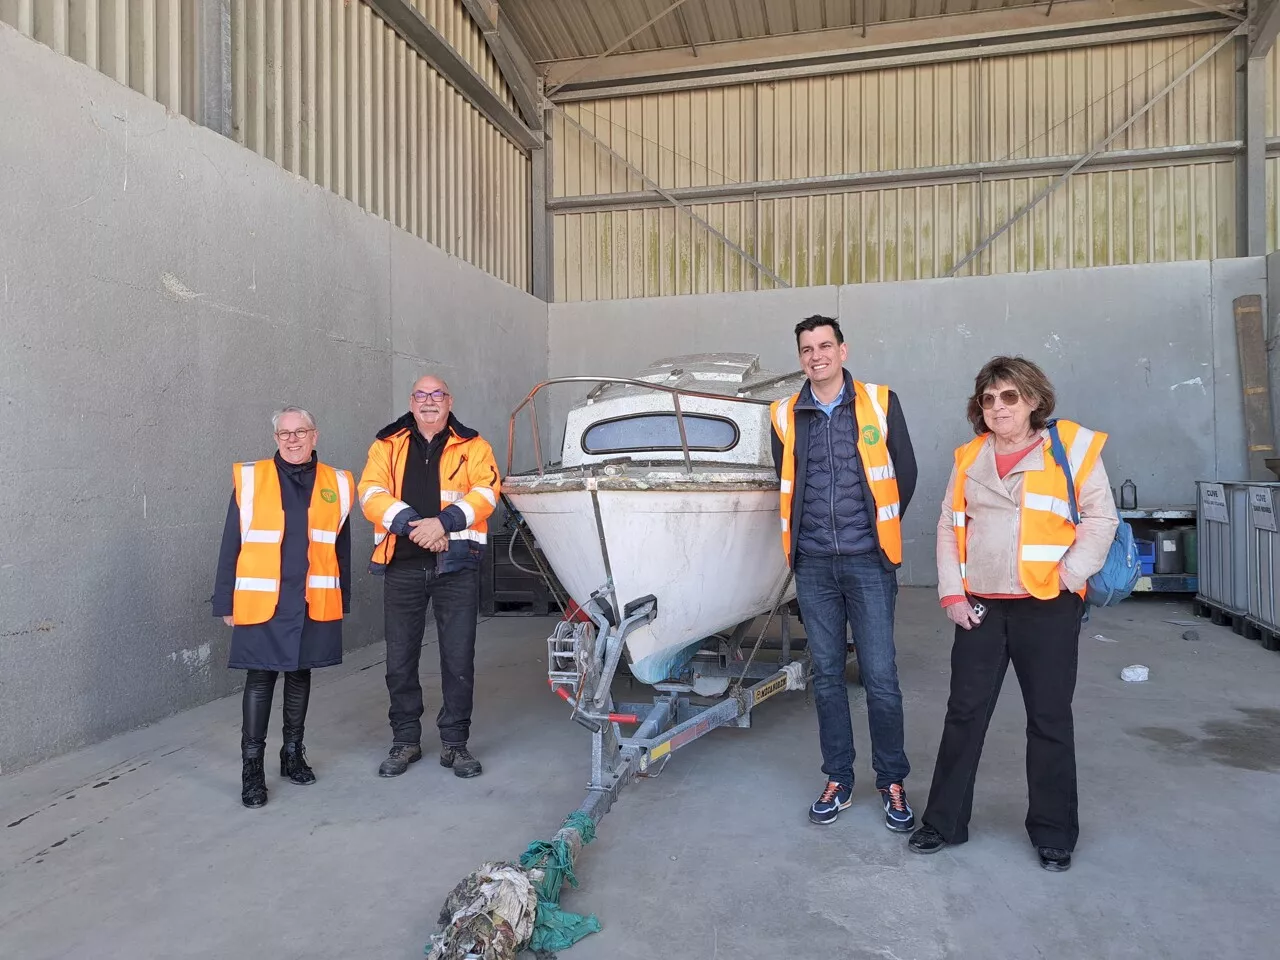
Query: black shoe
{"x": 926, "y": 840}
{"x": 834, "y": 798}
{"x": 463, "y": 763}
{"x": 898, "y": 816}
{"x": 293, "y": 764}
{"x": 398, "y": 760}
{"x": 1054, "y": 858}
{"x": 253, "y": 783}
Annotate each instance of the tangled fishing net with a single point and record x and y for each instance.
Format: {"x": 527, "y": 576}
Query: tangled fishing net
{"x": 503, "y": 908}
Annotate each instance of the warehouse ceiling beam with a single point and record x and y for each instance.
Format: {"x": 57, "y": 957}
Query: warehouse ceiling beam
{"x": 580, "y": 68}
{"x": 668, "y": 196}
{"x": 514, "y": 62}
{"x": 842, "y": 50}
{"x": 1139, "y": 159}
{"x": 1218, "y": 8}
{"x": 1239, "y": 31}
{"x": 1266, "y": 24}
{"x": 436, "y": 50}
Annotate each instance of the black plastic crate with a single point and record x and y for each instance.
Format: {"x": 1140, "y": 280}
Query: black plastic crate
{"x": 505, "y": 589}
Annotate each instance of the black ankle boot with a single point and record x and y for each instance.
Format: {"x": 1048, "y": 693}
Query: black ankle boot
{"x": 293, "y": 763}
{"x": 253, "y": 783}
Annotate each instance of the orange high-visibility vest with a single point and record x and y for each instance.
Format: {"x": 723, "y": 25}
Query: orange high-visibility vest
{"x": 1045, "y": 530}
{"x": 468, "y": 480}
{"x": 870, "y": 403}
{"x": 257, "y": 590}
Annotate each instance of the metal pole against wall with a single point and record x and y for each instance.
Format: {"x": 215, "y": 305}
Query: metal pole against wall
{"x": 213, "y": 58}
{"x": 1098, "y": 148}
{"x": 1252, "y": 117}
{"x": 540, "y": 220}
{"x": 666, "y": 195}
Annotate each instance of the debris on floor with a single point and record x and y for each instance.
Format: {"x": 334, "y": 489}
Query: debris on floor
{"x": 1135, "y": 673}
{"x": 504, "y": 908}
{"x": 1098, "y": 636}
{"x": 1192, "y": 635}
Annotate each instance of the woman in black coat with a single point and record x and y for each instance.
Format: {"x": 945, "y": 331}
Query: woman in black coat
{"x": 290, "y": 641}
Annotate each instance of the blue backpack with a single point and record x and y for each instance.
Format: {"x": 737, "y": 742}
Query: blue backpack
{"x": 1119, "y": 574}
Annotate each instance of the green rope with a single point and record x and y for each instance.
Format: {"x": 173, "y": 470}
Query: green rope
{"x": 556, "y": 929}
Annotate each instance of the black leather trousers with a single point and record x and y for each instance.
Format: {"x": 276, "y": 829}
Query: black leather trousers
{"x": 258, "y": 689}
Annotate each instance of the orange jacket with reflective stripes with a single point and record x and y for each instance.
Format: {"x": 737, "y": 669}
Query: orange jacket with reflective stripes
{"x": 870, "y": 406}
{"x": 469, "y": 491}
{"x": 257, "y": 587}
{"x": 1045, "y": 530}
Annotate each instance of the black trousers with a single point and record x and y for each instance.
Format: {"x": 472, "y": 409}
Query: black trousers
{"x": 258, "y": 689}
{"x": 1042, "y": 638}
{"x": 409, "y": 586}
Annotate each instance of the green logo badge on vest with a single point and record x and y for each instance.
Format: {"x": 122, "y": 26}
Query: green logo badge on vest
{"x": 870, "y": 435}
{"x": 328, "y": 496}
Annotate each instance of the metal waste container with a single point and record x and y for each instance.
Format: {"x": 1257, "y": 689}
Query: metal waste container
{"x": 1222, "y": 538}
{"x": 1263, "y": 554}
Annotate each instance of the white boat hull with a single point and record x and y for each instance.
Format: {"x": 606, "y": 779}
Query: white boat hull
{"x": 712, "y": 558}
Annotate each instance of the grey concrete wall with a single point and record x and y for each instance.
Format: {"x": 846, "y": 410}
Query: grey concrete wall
{"x": 162, "y": 290}
{"x": 1145, "y": 353}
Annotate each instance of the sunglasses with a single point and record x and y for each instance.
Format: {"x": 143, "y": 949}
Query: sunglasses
{"x": 1009, "y": 398}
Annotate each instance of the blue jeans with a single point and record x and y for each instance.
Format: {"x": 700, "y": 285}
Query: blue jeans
{"x": 860, "y": 591}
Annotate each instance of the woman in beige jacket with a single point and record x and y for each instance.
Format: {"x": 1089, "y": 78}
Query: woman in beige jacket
{"x": 1011, "y": 570}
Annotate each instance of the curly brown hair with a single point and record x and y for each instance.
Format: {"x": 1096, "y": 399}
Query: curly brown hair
{"x": 1023, "y": 374}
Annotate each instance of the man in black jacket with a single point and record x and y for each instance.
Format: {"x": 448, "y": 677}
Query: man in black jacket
{"x": 848, "y": 472}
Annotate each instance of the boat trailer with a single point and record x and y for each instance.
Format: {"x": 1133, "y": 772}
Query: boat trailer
{"x": 582, "y": 660}
{"x": 505, "y": 907}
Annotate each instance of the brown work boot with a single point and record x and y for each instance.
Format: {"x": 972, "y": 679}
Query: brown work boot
{"x": 463, "y": 763}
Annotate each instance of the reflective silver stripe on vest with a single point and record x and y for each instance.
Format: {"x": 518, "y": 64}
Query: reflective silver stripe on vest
{"x": 957, "y": 518}
{"x": 887, "y": 512}
{"x": 257, "y": 584}
{"x": 474, "y": 535}
{"x": 1042, "y": 552}
{"x": 781, "y": 418}
{"x": 873, "y": 390}
{"x": 323, "y": 583}
{"x": 262, "y": 536}
{"x": 1079, "y": 447}
{"x": 487, "y": 493}
{"x": 323, "y": 536}
{"x": 881, "y": 473}
{"x": 246, "y": 499}
{"x": 1041, "y": 501}
{"x": 786, "y": 486}
{"x": 344, "y": 496}
{"x": 378, "y": 537}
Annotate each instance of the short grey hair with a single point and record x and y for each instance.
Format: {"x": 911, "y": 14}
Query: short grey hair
{"x": 275, "y": 417}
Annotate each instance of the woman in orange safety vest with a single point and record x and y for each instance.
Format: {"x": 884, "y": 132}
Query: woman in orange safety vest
{"x": 1012, "y": 569}
{"x": 283, "y": 585}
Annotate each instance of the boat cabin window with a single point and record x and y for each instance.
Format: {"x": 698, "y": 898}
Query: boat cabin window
{"x": 659, "y": 431}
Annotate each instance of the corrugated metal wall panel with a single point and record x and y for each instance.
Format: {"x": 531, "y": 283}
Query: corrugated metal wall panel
{"x": 453, "y": 22}
{"x": 148, "y": 45}
{"x": 1045, "y": 104}
{"x": 328, "y": 91}
{"x": 1159, "y": 214}
{"x": 1035, "y": 105}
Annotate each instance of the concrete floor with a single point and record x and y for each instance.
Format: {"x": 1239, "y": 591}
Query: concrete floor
{"x": 138, "y": 847}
